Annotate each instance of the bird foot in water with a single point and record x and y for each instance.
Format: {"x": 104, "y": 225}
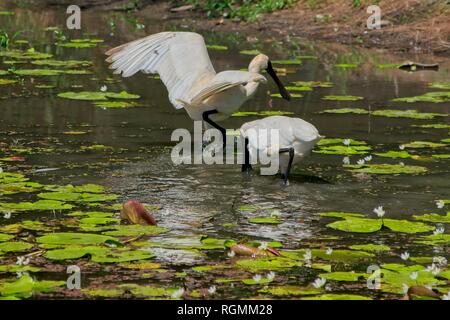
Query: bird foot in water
{"x": 285, "y": 179}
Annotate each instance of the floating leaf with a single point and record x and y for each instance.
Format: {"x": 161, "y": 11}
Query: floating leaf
{"x": 344, "y": 150}
{"x": 290, "y": 291}
{"x": 67, "y": 238}
{"x": 216, "y": 47}
{"x": 117, "y": 104}
{"x": 346, "y": 110}
{"x": 434, "y": 217}
{"x": 26, "y": 286}
{"x": 370, "y": 247}
{"x": 313, "y": 84}
{"x": 250, "y": 52}
{"x": 121, "y": 95}
{"x": 38, "y": 205}
{"x": 439, "y": 85}
{"x": 387, "y": 169}
{"x": 79, "y": 197}
{"x": 342, "y": 98}
{"x": 288, "y": 62}
{"x": 435, "y": 97}
{"x": 83, "y": 95}
{"x": 344, "y": 276}
{"x": 293, "y": 95}
{"x": 135, "y": 230}
{"x": 346, "y": 65}
{"x": 264, "y": 220}
{"x": 411, "y": 114}
{"x": 261, "y": 113}
{"x": 16, "y": 246}
{"x": 269, "y": 263}
{"x": 423, "y": 144}
{"x": 435, "y": 239}
{"x": 7, "y": 81}
{"x": 395, "y": 154}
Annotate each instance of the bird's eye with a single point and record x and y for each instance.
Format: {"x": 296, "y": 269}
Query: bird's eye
{"x": 244, "y": 84}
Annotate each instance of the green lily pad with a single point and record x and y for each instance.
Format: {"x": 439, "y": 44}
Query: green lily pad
{"x": 346, "y": 65}
{"x": 99, "y": 220}
{"x": 117, "y": 104}
{"x": 435, "y": 97}
{"x": 313, "y": 84}
{"x": 439, "y": 85}
{"x": 298, "y": 88}
{"x": 387, "y": 169}
{"x": 216, "y": 47}
{"x": 251, "y": 281}
{"x": 83, "y": 95}
{"x": 38, "y": 205}
{"x": 62, "y": 63}
{"x": 266, "y": 263}
{"x": 370, "y": 247}
{"x": 264, "y": 220}
{"x": 7, "y": 81}
{"x": 338, "y": 255}
{"x": 288, "y": 61}
{"x": 441, "y": 156}
{"x": 293, "y": 95}
{"x": 78, "y": 197}
{"x": 5, "y": 237}
{"x": 344, "y": 150}
{"x": 387, "y": 65}
{"x": 26, "y": 54}
{"x": 121, "y": 95}
{"x": 434, "y": 126}
{"x": 26, "y": 286}
{"x": 148, "y": 291}
{"x": 89, "y": 188}
{"x": 340, "y": 141}
{"x": 135, "y": 230}
{"x": 346, "y": 110}
{"x": 342, "y": 98}
{"x": 13, "y": 268}
{"x": 341, "y": 214}
{"x": 433, "y": 217}
{"x": 38, "y": 72}
{"x": 343, "y": 276}
{"x": 395, "y": 154}
{"x": 423, "y": 144}
{"x": 290, "y": 290}
{"x": 104, "y": 293}
{"x": 411, "y": 114}
{"x": 14, "y": 246}
{"x": 250, "y": 52}
{"x": 69, "y": 238}
{"x": 435, "y": 239}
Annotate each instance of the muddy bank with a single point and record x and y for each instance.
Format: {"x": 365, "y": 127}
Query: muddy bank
{"x": 407, "y": 25}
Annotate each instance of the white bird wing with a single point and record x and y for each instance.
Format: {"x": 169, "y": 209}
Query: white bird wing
{"x": 180, "y": 58}
{"x": 222, "y": 81}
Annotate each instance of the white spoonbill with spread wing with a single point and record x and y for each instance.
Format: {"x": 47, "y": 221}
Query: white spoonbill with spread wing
{"x": 296, "y": 140}
{"x": 181, "y": 60}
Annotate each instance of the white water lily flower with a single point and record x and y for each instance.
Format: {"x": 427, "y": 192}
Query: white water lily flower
{"x": 446, "y": 296}
{"x": 319, "y": 282}
{"x": 441, "y": 261}
{"x": 329, "y": 251}
{"x": 257, "y": 278}
{"x": 346, "y": 142}
{"x": 231, "y": 253}
{"x": 271, "y": 275}
{"x": 275, "y": 214}
{"x": 1, "y": 170}
{"x": 263, "y": 245}
{"x": 212, "y": 290}
{"x": 103, "y": 88}
{"x": 440, "y": 204}
{"x": 401, "y": 147}
{"x": 368, "y": 158}
{"x": 439, "y": 230}
{"x": 405, "y": 255}
{"x": 177, "y": 294}
{"x": 346, "y": 160}
{"x": 379, "y": 211}
{"x": 413, "y": 275}
{"x": 22, "y": 261}
{"x": 360, "y": 162}
{"x": 7, "y": 215}
{"x": 435, "y": 270}
{"x": 405, "y": 288}
{"x": 307, "y": 255}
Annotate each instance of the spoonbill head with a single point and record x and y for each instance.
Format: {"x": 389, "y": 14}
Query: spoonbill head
{"x": 181, "y": 59}
{"x": 296, "y": 139}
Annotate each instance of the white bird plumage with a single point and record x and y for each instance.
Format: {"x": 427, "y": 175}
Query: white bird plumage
{"x": 297, "y": 138}
{"x": 181, "y": 59}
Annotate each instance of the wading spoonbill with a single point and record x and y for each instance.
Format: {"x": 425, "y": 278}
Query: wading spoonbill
{"x": 181, "y": 60}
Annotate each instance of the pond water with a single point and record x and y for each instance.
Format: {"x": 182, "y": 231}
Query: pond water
{"x": 57, "y": 141}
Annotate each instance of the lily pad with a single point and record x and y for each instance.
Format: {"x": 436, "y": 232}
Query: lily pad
{"x": 261, "y": 113}
{"x": 15, "y": 246}
{"x": 216, "y": 47}
{"x": 83, "y": 95}
{"x": 387, "y": 169}
{"x": 423, "y": 144}
{"x": 135, "y": 230}
{"x": 371, "y": 247}
{"x": 264, "y": 220}
{"x": 121, "y": 95}
{"x": 288, "y": 61}
{"x": 343, "y": 276}
{"x": 69, "y": 238}
{"x": 344, "y": 150}
{"x": 117, "y": 104}
{"x": 269, "y": 263}
{"x": 62, "y": 63}
{"x": 290, "y": 290}
{"x": 346, "y": 110}
{"x": 411, "y": 114}
{"x": 78, "y": 197}
{"x": 38, "y": 205}
{"x": 26, "y": 286}
{"x": 7, "y": 81}
{"x": 433, "y": 217}
{"x": 395, "y": 154}
{"x": 313, "y": 84}
{"x": 330, "y": 296}
{"x": 435, "y": 97}
{"x": 342, "y": 98}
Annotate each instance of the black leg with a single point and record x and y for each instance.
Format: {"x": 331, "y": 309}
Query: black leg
{"x": 246, "y": 167}
{"x": 206, "y": 118}
{"x": 291, "y": 157}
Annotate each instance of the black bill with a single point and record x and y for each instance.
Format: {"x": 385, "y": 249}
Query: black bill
{"x": 280, "y": 86}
